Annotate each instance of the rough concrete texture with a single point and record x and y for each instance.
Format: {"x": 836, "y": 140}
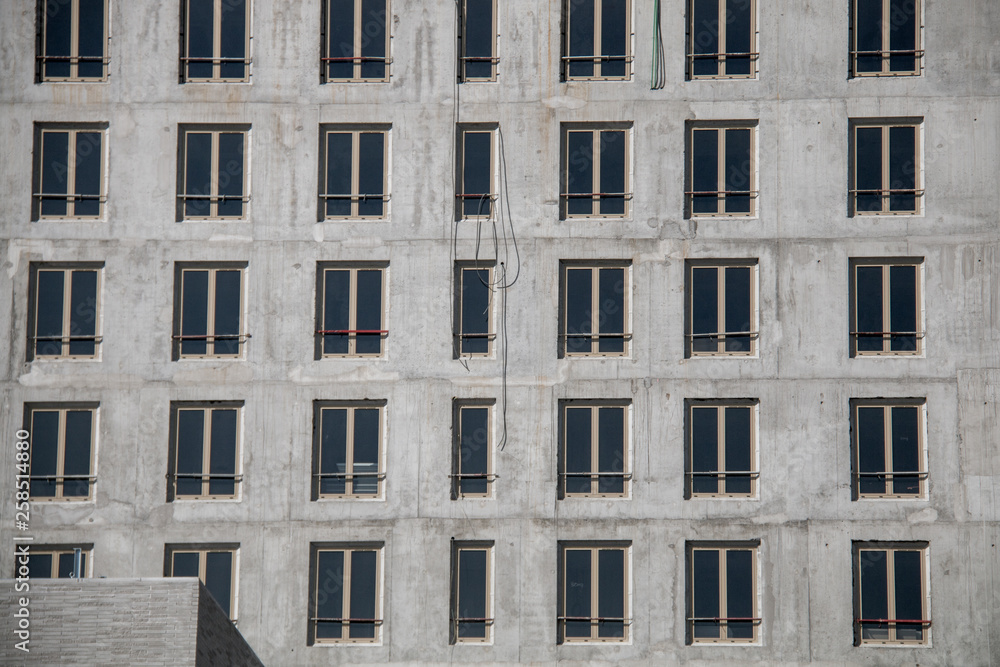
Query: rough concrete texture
{"x": 802, "y": 236}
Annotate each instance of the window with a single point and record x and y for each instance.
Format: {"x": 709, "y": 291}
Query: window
{"x": 355, "y": 40}
{"x": 885, "y": 38}
{"x": 722, "y": 453}
{"x": 347, "y": 455}
{"x": 477, "y": 41}
{"x": 69, "y": 176}
{"x": 722, "y": 593}
{"x": 595, "y": 596}
{"x": 722, "y": 39}
{"x": 65, "y": 304}
{"x": 216, "y": 567}
{"x": 58, "y": 562}
{"x": 353, "y": 179}
{"x": 888, "y": 448}
{"x": 205, "y": 451}
{"x": 597, "y": 40}
{"x": 208, "y": 307}
{"x": 722, "y": 307}
{"x": 472, "y": 470}
{"x": 594, "y": 452}
{"x": 346, "y": 601}
{"x": 595, "y": 171}
{"x": 214, "y": 40}
{"x": 476, "y": 156}
{"x": 595, "y": 318}
{"x": 721, "y": 174}
{"x": 886, "y": 316}
{"x": 72, "y": 41}
{"x": 472, "y": 592}
{"x": 351, "y": 310}
{"x": 62, "y": 447}
{"x": 212, "y": 180}
{"x": 885, "y": 167}
{"x": 474, "y": 334}
{"x": 891, "y": 595}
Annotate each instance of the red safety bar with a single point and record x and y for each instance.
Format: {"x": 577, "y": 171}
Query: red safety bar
{"x": 352, "y": 331}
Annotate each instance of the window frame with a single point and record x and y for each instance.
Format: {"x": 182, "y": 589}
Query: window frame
{"x": 888, "y": 474}
{"x": 921, "y": 547}
{"x": 207, "y": 408}
{"x": 756, "y": 620}
{"x": 721, "y": 405}
{"x": 457, "y": 472}
{"x": 66, "y": 335}
{"x": 886, "y": 53}
{"x": 461, "y": 195}
{"x": 62, "y": 408}
{"x": 72, "y": 160}
{"x": 596, "y": 196}
{"x": 598, "y": 59}
{"x": 455, "y": 620}
{"x": 626, "y": 475}
{"x": 314, "y": 592}
{"x": 178, "y": 337}
{"x": 460, "y": 335}
{"x": 214, "y": 198}
{"x": 380, "y": 474}
{"x": 753, "y": 335}
{"x": 886, "y": 263}
{"x": 171, "y": 550}
{"x": 217, "y": 60}
{"x": 359, "y": 38}
{"x": 720, "y": 58}
{"x": 58, "y": 550}
{"x": 464, "y": 59}
{"x": 722, "y": 168}
{"x": 885, "y": 194}
{"x": 355, "y": 195}
{"x": 595, "y": 547}
{"x": 74, "y": 58}
{"x": 353, "y": 298}
{"x": 626, "y": 336}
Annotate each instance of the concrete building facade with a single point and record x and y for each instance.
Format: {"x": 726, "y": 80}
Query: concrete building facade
{"x": 803, "y": 375}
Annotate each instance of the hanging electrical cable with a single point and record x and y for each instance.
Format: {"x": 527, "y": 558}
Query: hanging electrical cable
{"x": 658, "y": 78}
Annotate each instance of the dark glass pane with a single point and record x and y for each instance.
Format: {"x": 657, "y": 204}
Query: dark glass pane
{"x": 222, "y": 454}
{"x": 329, "y": 594}
{"x": 704, "y": 308}
{"x": 44, "y": 450}
{"x": 371, "y": 175}
{"x": 58, "y": 22}
{"x": 705, "y": 602}
{"x": 49, "y": 315}
{"x": 577, "y": 588}
{"x": 83, "y": 311}
{"x": 186, "y": 564}
{"x": 614, "y": 40}
{"x": 581, "y": 37}
{"x": 902, "y": 167}
{"x": 739, "y": 593}
{"x": 704, "y": 449}
{"x": 200, "y": 35}
{"x": 739, "y": 35}
{"x": 339, "y": 163}
{"x": 475, "y": 310}
{"x": 190, "y": 451}
{"x": 477, "y": 173}
{"x": 869, "y": 308}
{"x": 40, "y": 566}
{"x": 88, "y": 173}
{"x": 868, "y": 168}
{"x": 197, "y": 173}
{"x": 611, "y": 449}
{"x": 472, "y": 592}
{"x": 613, "y": 172}
{"x": 333, "y": 451}
{"x": 363, "y": 586}
{"x": 738, "y": 171}
{"x": 738, "y": 313}
{"x": 194, "y": 311}
{"x": 903, "y": 28}
{"x": 55, "y": 169}
{"x": 478, "y": 38}
{"x": 868, "y": 35}
{"x": 903, "y": 307}
{"x": 369, "y": 306}
{"x": 705, "y": 38}
{"x": 233, "y": 38}
{"x": 336, "y": 311}
{"x": 373, "y": 19}
{"x": 611, "y": 592}
{"x": 578, "y": 449}
{"x": 366, "y": 446}
{"x": 77, "y": 459}
{"x": 909, "y": 594}
{"x": 231, "y": 147}
{"x": 474, "y": 454}
{"x": 874, "y": 593}
{"x": 705, "y": 171}
{"x": 219, "y": 578}
{"x": 579, "y": 295}
{"x": 340, "y": 38}
{"x": 738, "y": 449}
{"x": 611, "y": 301}
{"x": 871, "y": 449}
{"x": 66, "y": 565}
{"x": 905, "y": 449}
{"x": 91, "y": 38}
{"x": 580, "y": 172}
{"x": 227, "y": 311}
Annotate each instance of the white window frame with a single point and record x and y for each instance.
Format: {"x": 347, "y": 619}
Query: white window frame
{"x": 598, "y": 59}
{"x": 723, "y": 549}
{"x": 596, "y": 196}
{"x": 753, "y": 55}
{"x": 720, "y": 405}
{"x": 884, "y": 193}
{"x": 178, "y": 338}
{"x": 213, "y": 196}
{"x": 887, "y": 404}
{"x": 207, "y": 408}
{"x": 203, "y": 551}
{"x": 884, "y": 53}
{"x": 595, "y": 548}
{"x": 216, "y": 59}
{"x": 720, "y": 127}
{"x": 464, "y": 58}
{"x": 72, "y": 161}
{"x": 380, "y": 474}
{"x": 460, "y": 404}
{"x": 595, "y": 405}
{"x": 595, "y": 335}
{"x": 355, "y": 195}
{"x": 886, "y": 263}
{"x": 62, "y": 409}
{"x": 379, "y": 620}
{"x": 461, "y": 196}
{"x": 352, "y": 330}
{"x": 41, "y": 57}
{"x": 67, "y": 321}
{"x": 86, "y": 551}
{"x": 458, "y": 547}
{"x": 359, "y": 39}
{"x": 891, "y": 548}
{"x": 754, "y": 334}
